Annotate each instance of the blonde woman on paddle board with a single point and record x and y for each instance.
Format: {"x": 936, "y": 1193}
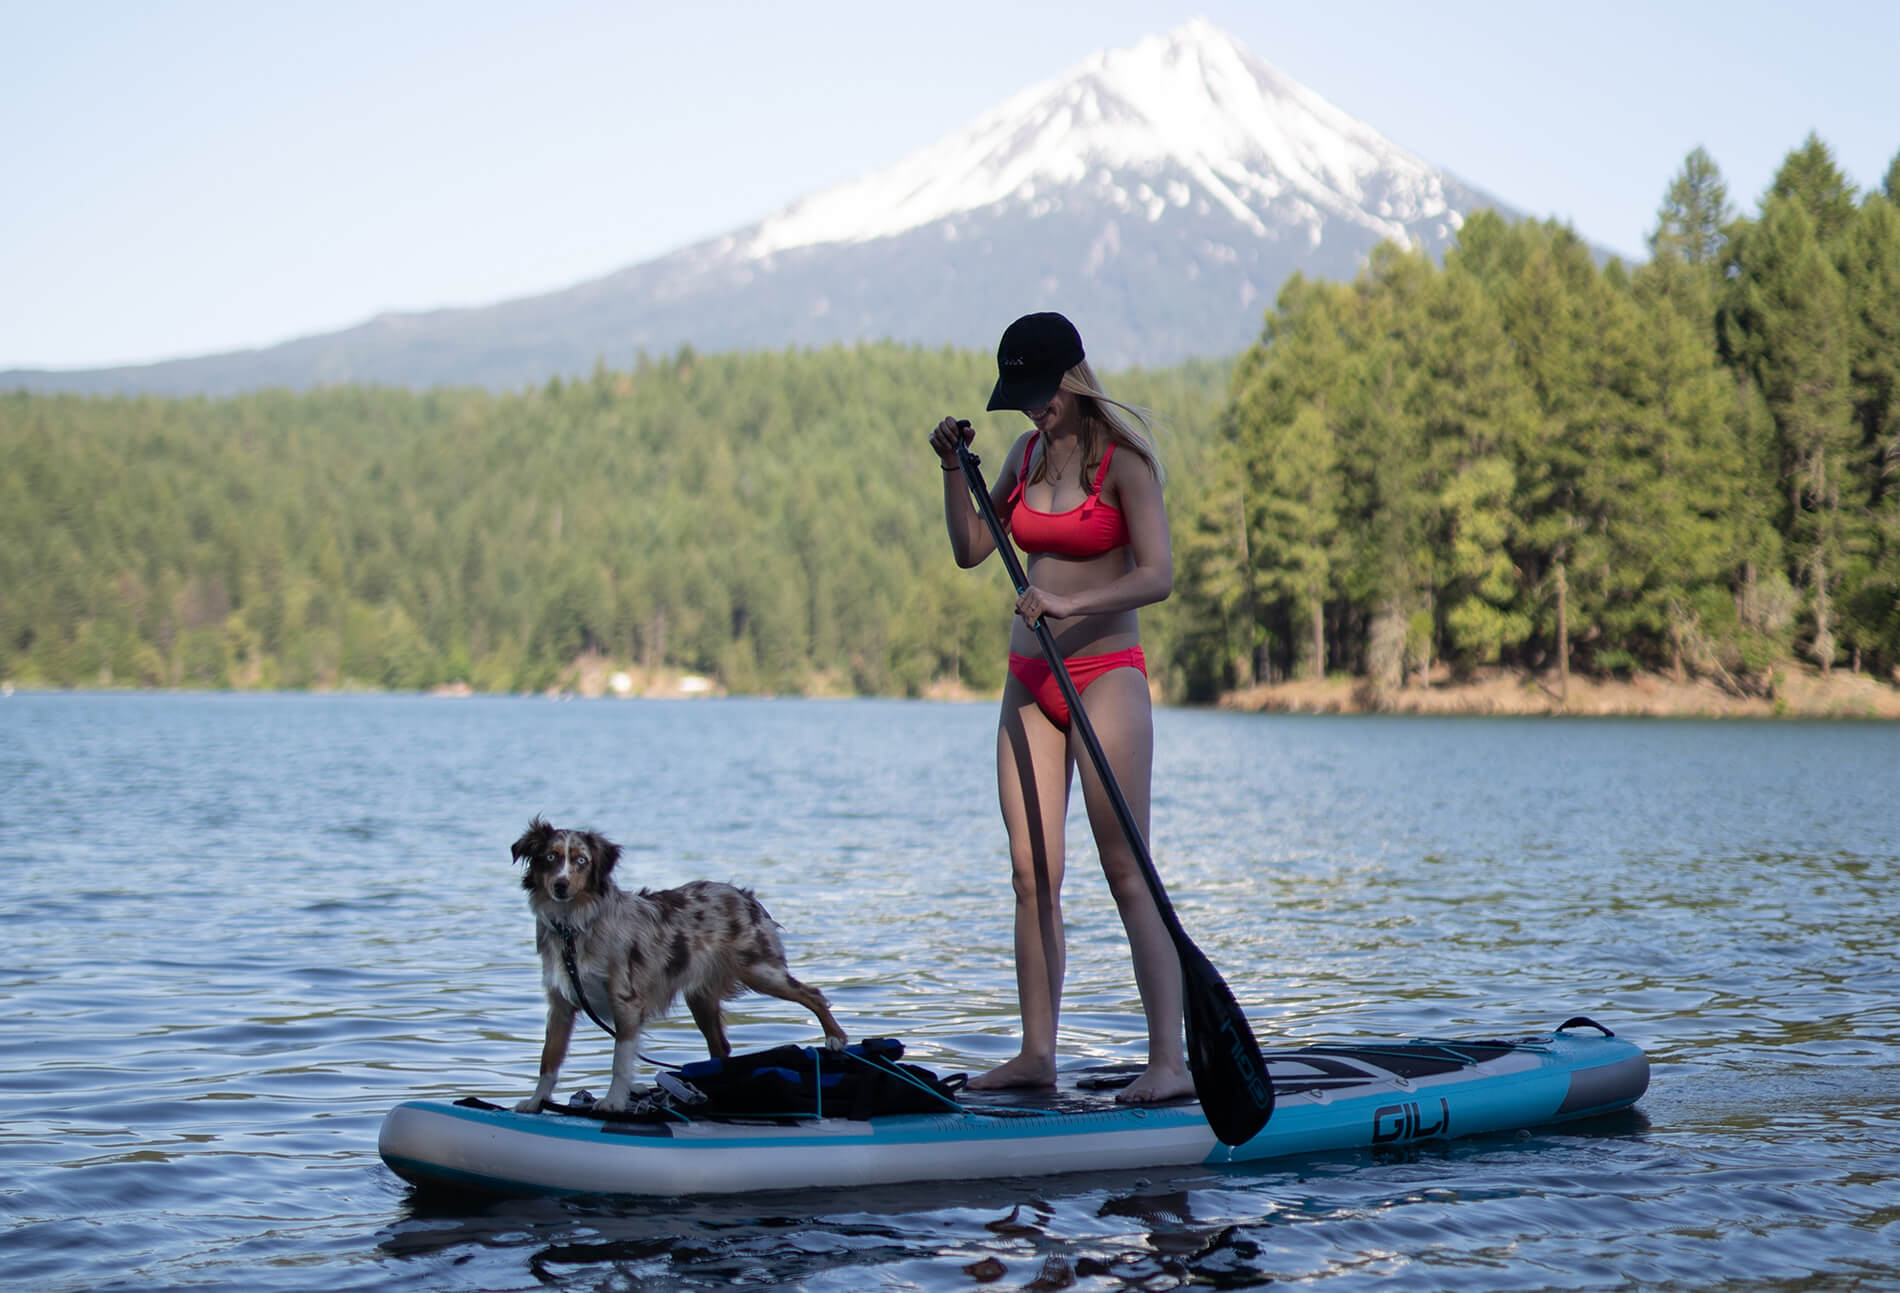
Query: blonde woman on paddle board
{"x": 1080, "y": 493}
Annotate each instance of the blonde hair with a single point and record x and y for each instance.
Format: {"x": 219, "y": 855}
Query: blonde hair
{"x": 1105, "y": 418}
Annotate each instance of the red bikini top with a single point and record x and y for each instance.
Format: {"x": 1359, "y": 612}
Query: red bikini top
{"x": 1088, "y": 529}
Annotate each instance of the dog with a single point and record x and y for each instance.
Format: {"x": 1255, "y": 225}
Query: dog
{"x": 634, "y": 954}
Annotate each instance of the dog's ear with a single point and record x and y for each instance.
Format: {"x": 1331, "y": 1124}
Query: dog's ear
{"x": 532, "y": 840}
{"x": 605, "y": 853}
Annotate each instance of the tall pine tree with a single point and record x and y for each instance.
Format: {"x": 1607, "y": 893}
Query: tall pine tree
{"x": 1790, "y": 310}
{"x": 1694, "y": 212}
{"x": 1873, "y": 294}
{"x": 1289, "y": 400}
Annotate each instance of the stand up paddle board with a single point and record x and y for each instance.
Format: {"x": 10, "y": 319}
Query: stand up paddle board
{"x": 1328, "y": 1099}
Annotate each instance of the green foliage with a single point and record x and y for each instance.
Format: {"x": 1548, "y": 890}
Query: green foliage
{"x": 1520, "y": 457}
{"x": 1790, "y": 307}
{"x": 771, "y": 519}
{"x": 1871, "y": 611}
{"x": 1694, "y": 211}
{"x": 1525, "y": 456}
{"x": 1287, "y": 418}
{"x": 1809, "y": 178}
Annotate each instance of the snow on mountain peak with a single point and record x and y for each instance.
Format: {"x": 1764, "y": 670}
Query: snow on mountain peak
{"x": 1191, "y": 102}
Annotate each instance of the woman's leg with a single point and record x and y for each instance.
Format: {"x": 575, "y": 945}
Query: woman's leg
{"x": 1123, "y": 717}
{"x": 1032, "y": 785}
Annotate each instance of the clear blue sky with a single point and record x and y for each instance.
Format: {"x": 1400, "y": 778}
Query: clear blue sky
{"x": 182, "y": 178}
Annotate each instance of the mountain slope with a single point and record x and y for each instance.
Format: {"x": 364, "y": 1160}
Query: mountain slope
{"x": 1159, "y": 195}
{"x": 1184, "y": 119}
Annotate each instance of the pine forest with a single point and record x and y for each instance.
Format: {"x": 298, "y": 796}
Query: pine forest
{"x": 1521, "y": 458}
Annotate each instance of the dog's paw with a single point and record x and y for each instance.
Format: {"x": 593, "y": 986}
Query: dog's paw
{"x": 834, "y": 1043}
{"x": 531, "y": 1105}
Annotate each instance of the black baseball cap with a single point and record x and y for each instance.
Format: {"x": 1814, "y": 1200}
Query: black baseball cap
{"x": 1030, "y": 360}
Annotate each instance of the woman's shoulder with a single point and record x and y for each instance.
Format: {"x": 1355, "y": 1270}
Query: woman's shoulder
{"x": 1129, "y": 469}
{"x": 1014, "y": 461}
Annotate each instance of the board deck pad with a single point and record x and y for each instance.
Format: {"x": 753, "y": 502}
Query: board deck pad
{"x": 1311, "y": 1068}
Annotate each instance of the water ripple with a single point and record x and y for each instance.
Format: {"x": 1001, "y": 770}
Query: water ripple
{"x": 240, "y": 928}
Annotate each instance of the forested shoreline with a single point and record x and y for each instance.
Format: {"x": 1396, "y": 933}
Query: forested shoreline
{"x": 1518, "y": 459}
{"x": 1528, "y": 460}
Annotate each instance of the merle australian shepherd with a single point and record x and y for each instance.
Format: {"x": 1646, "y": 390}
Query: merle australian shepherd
{"x": 634, "y": 953}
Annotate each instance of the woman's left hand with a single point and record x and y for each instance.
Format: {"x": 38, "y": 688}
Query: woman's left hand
{"x": 1035, "y": 604}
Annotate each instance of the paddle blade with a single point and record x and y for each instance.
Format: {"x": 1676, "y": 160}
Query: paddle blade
{"x": 1230, "y": 1076}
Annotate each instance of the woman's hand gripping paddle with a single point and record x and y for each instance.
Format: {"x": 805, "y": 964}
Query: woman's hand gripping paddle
{"x": 1230, "y": 1076}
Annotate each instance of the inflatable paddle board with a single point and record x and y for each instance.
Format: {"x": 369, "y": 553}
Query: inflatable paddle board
{"x": 1328, "y": 1099}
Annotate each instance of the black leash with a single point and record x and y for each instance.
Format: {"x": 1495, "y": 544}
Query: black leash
{"x": 574, "y": 981}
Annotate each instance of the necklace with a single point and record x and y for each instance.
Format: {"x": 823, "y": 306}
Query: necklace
{"x": 1055, "y": 472}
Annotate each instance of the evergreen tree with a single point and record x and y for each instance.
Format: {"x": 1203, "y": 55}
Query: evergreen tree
{"x": 1809, "y": 176}
{"x": 1521, "y": 457}
{"x": 1543, "y": 279}
{"x": 1793, "y": 303}
{"x": 1223, "y": 640}
{"x": 1386, "y": 487}
{"x": 1662, "y": 479}
{"x": 1288, "y": 398}
{"x": 1872, "y": 592}
{"x": 1476, "y": 417}
{"x": 1694, "y": 211}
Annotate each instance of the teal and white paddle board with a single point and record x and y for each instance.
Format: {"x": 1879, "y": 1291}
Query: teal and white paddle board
{"x": 1328, "y": 1099}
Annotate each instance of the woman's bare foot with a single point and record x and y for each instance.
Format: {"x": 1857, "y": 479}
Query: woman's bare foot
{"x": 1156, "y": 1085}
{"x": 1019, "y": 1072}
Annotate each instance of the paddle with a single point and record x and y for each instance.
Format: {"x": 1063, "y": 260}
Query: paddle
{"x": 1230, "y": 1076}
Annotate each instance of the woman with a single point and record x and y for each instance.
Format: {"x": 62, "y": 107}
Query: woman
{"x": 1081, "y": 494}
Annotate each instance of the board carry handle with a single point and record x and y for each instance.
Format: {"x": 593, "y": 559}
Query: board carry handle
{"x": 1584, "y": 1021}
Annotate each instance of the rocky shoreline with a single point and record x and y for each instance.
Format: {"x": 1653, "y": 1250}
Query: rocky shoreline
{"x": 1792, "y": 691}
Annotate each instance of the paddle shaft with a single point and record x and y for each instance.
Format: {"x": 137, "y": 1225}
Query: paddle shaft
{"x": 1237, "y": 1099}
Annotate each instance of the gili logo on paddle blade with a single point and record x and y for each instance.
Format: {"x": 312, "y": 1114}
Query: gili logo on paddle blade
{"x": 1241, "y": 1050}
{"x": 1230, "y": 1076}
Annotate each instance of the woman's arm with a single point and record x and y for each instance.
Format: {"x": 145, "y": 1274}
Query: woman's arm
{"x": 970, "y": 539}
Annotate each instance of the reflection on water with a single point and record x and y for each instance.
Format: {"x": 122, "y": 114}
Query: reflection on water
{"x": 239, "y": 928}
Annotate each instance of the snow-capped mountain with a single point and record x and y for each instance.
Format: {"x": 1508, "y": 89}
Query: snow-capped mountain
{"x": 1158, "y": 195}
{"x": 1189, "y": 118}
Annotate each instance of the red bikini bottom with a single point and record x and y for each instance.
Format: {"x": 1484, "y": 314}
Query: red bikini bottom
{"x": 1033, "y": 672}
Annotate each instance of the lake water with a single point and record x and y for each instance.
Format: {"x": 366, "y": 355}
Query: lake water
{"x": 237, "y": 929}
